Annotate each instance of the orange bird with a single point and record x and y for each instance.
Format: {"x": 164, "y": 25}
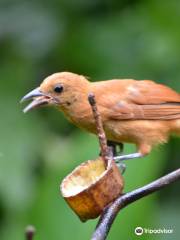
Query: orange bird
{"x": 141, "y": 112}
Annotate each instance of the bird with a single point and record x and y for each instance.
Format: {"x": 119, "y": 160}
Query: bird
{"x": 140, "y": 112}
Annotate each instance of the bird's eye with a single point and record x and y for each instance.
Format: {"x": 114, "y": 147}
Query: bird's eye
{"x": 58, "y": 89}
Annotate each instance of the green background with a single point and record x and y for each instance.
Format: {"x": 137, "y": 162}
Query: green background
{"x": 101, "y": 39}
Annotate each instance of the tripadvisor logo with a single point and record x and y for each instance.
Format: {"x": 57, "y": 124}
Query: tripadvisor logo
{"x": 139, "y": 231}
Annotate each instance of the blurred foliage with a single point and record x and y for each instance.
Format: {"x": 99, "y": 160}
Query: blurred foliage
{"x": 101, "y": 39}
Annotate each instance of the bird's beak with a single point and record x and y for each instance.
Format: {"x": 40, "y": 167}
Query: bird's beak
{"x": 39, "y": 99}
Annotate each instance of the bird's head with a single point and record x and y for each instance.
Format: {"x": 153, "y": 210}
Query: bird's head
{"x": 60, "y": 89}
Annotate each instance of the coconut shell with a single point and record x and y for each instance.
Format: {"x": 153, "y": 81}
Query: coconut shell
{"x": 91, "y": 187}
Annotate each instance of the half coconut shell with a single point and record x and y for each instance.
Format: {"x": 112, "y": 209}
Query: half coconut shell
{"x": 91, "y": 187}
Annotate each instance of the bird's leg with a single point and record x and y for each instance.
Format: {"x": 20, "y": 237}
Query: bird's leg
{"x": 114, "y": 146}
{"x": 121, "y": 147}
{"x": 118, "y": 159}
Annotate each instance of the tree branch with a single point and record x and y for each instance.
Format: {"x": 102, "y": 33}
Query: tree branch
{"x": 29, "y": 232}
{"x": 107, "y": 218}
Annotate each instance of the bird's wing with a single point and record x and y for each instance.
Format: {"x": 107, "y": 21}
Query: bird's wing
{"x": 147, "y": 100}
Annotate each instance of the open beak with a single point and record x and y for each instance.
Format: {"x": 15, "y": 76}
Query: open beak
{"x": 39, "y": 99}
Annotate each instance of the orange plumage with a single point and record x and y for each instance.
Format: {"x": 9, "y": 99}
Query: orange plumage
{"x": 141, "y": 112}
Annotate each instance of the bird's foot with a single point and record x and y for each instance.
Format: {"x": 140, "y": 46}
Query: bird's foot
{"x": 122, "y": 167}
{"x": 118, "y": 159}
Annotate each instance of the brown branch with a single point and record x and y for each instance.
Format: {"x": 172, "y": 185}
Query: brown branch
{"x": 105, "y": 151}
{"x": 29, "y": 232}
{"x": 107, "y": 218}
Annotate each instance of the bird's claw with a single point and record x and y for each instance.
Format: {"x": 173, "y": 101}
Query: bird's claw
{"x": 122, "y": 167}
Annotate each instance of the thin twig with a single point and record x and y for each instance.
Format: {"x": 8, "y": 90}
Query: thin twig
{"x": 107, "y": 218}
{"x": 29, "y": 232}
{"x": 105, "y": 151}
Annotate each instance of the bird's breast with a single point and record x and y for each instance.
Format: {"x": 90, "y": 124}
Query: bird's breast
{"x": 82, "y": 118}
